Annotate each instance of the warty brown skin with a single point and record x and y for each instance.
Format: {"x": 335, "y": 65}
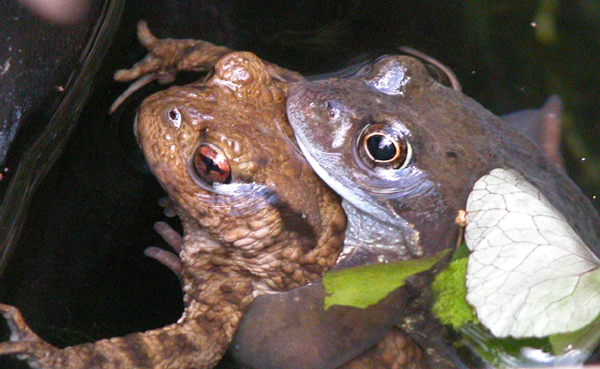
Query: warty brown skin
{"x": 281, "y": 231}
{"x": 239, "y": 117}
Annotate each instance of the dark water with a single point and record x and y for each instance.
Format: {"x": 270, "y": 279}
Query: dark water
{"x": 78, "y": 272}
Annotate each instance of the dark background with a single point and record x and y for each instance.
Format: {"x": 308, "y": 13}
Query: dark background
{"x": 77, "y": 271}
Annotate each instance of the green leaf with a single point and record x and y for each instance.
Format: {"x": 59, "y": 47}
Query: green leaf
{"x": 462, "y": 251}
{"x": 451, "y": 306}
{"x": 366, "y": 285}
{"x": 582, "y": 339}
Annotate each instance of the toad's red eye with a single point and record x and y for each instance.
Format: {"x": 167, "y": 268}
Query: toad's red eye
{"x": 211, "y": 165}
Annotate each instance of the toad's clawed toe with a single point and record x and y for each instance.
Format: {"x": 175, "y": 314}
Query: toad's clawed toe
{"x": 23, "y": 340}
{"x": 18, "y": 327}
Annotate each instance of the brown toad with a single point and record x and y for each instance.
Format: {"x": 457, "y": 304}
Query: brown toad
{"x": 213, "y": 147}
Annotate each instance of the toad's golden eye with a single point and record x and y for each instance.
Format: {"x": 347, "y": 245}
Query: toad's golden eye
{"x": 379, "y": 145}
{"x": 211, "y": 165}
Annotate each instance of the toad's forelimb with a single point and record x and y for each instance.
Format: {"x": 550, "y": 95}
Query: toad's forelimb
{"x": 198, "y": 340}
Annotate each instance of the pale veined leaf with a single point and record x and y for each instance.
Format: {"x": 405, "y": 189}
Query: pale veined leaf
{"x": 529, "y": 274}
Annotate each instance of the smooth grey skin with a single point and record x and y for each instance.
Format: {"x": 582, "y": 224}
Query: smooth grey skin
{"x": 542, "y": 126}
{"x": 310, "y": 338}
{"x": 292, "y": 342}
{"x": 454, "y": 142}
{"x": 326, "y": 339}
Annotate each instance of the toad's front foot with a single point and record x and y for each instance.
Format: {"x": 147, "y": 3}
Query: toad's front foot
{"x": 25, "y": 343}
{"x": 165, "y": 58}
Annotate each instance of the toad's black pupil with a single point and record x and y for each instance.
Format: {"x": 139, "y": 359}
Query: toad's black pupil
{"x": 211, "y": 165}
{"x": 381, "y": 147}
